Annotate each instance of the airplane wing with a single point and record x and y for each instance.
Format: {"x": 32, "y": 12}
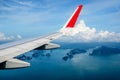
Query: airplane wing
{"x": 9, "y": 51}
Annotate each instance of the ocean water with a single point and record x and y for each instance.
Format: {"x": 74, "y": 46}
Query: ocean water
{"x": 51, "y": 65}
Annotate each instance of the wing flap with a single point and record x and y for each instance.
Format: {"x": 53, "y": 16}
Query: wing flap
{"x": 13, "y": 63}
{"x": 48, "y": 46}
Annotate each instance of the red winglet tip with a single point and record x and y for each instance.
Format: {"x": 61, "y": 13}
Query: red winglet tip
{"x": 80, "y": 6}
{"x": 73, "y": 19}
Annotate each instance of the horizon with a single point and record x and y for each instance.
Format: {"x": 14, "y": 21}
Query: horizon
{"x": 27, "y": 19}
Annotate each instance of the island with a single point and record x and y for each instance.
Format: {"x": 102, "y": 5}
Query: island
{"x": 73, "y": 52}
{"x": 104, "y": 50}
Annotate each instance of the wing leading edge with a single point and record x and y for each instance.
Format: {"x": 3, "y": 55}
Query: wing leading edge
{"x": 7, "y": 53}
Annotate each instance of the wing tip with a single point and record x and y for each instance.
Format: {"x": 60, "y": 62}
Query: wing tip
{"x": 73, "y": 19}
{"x": 80, "y": 5}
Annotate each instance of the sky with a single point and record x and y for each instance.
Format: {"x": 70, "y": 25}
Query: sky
{"x": 32, "y": 18}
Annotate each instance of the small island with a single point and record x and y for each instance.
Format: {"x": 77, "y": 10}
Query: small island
{"x": 73, "y": 52}
{"x": 77, "y": 51}
{"x": 35, "y": 54}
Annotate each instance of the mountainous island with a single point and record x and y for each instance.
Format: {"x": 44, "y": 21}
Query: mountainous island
{"x": 104, "y": 50}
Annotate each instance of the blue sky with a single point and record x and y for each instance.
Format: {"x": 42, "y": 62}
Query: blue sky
{"x": 30, "y": 18}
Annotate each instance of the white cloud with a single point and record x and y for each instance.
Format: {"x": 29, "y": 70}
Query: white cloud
{"x": 83, "y": 33}
{"x": 24, "y": 3}
{"x": 16, "y": 5}
{"x": 90, "y": 8}
{"x": 3, "y": 37}
{"x": 19, "y": 36}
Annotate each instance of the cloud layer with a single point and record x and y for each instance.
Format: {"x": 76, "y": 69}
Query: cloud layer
{"x": 83, "y": 33}
{"x": 3, "y": 37}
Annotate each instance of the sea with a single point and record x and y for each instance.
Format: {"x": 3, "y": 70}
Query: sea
{"x": 56, "y": 65}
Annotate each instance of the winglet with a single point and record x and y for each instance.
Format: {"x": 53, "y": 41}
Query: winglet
{"x": 72, "y": 20}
